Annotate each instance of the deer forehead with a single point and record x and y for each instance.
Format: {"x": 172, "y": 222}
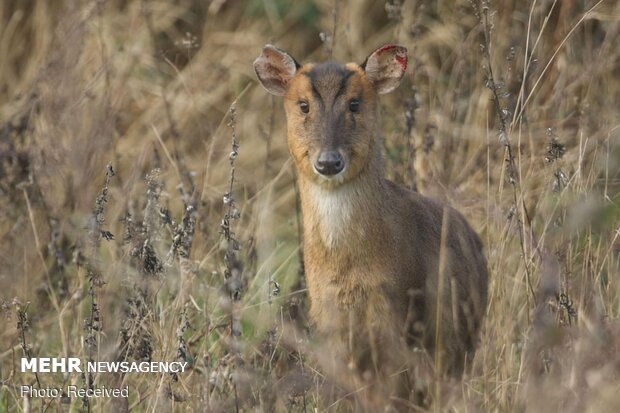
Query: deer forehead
{"x": 328, "y": 80}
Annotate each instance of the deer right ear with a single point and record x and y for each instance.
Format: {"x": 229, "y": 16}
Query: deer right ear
{"x": 275, "y": 68}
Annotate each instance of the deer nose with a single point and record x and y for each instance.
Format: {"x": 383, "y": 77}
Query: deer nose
{"x": 329, "y": 163}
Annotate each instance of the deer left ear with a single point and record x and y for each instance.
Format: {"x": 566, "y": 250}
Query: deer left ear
{"x": 385, "y": 67}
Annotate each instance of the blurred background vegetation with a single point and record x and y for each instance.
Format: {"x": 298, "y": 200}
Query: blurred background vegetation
{"x": 148, "y": 207}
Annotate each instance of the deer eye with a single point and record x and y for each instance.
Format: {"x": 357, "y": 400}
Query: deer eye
{"x": 354, "y": 105}
{"x": 303, "y": 105}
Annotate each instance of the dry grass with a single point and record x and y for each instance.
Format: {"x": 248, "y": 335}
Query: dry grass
{"x": 510, "y": 111}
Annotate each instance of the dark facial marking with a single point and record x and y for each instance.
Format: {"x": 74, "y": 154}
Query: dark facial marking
{"x": 343, "y": 83}
{"x": 324, "y": 75}
{"x": 317, "y": 94}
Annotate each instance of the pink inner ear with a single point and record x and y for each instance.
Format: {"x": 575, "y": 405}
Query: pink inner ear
{"x": 400, "y": 58}
{"x": 386, "y": 47}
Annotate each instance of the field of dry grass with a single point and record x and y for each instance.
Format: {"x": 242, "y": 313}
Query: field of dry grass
{"x": 148, "y": 208}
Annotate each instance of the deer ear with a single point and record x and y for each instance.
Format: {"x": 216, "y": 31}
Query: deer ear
{"x": 275, "y": 68}
{"x": 385, "y": 67}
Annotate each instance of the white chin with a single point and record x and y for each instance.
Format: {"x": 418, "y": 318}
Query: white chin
{"x": 331, "y": 179}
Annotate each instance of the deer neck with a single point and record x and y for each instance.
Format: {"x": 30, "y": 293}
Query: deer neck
{"x": 341, "y": 216}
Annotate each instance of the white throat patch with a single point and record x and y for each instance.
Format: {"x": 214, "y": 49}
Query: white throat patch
{"x": 334, "y": 208}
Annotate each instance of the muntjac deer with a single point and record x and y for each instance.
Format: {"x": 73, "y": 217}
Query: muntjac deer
{"x": 384, "y": 265}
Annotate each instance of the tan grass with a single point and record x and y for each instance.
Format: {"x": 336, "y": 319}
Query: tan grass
{"x": 147, "y": 85}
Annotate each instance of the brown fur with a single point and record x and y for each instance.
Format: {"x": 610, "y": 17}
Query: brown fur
{"x": 374, "y": 255}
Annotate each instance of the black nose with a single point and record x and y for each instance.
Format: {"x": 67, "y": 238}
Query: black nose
{"x": 329, "y": 163}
